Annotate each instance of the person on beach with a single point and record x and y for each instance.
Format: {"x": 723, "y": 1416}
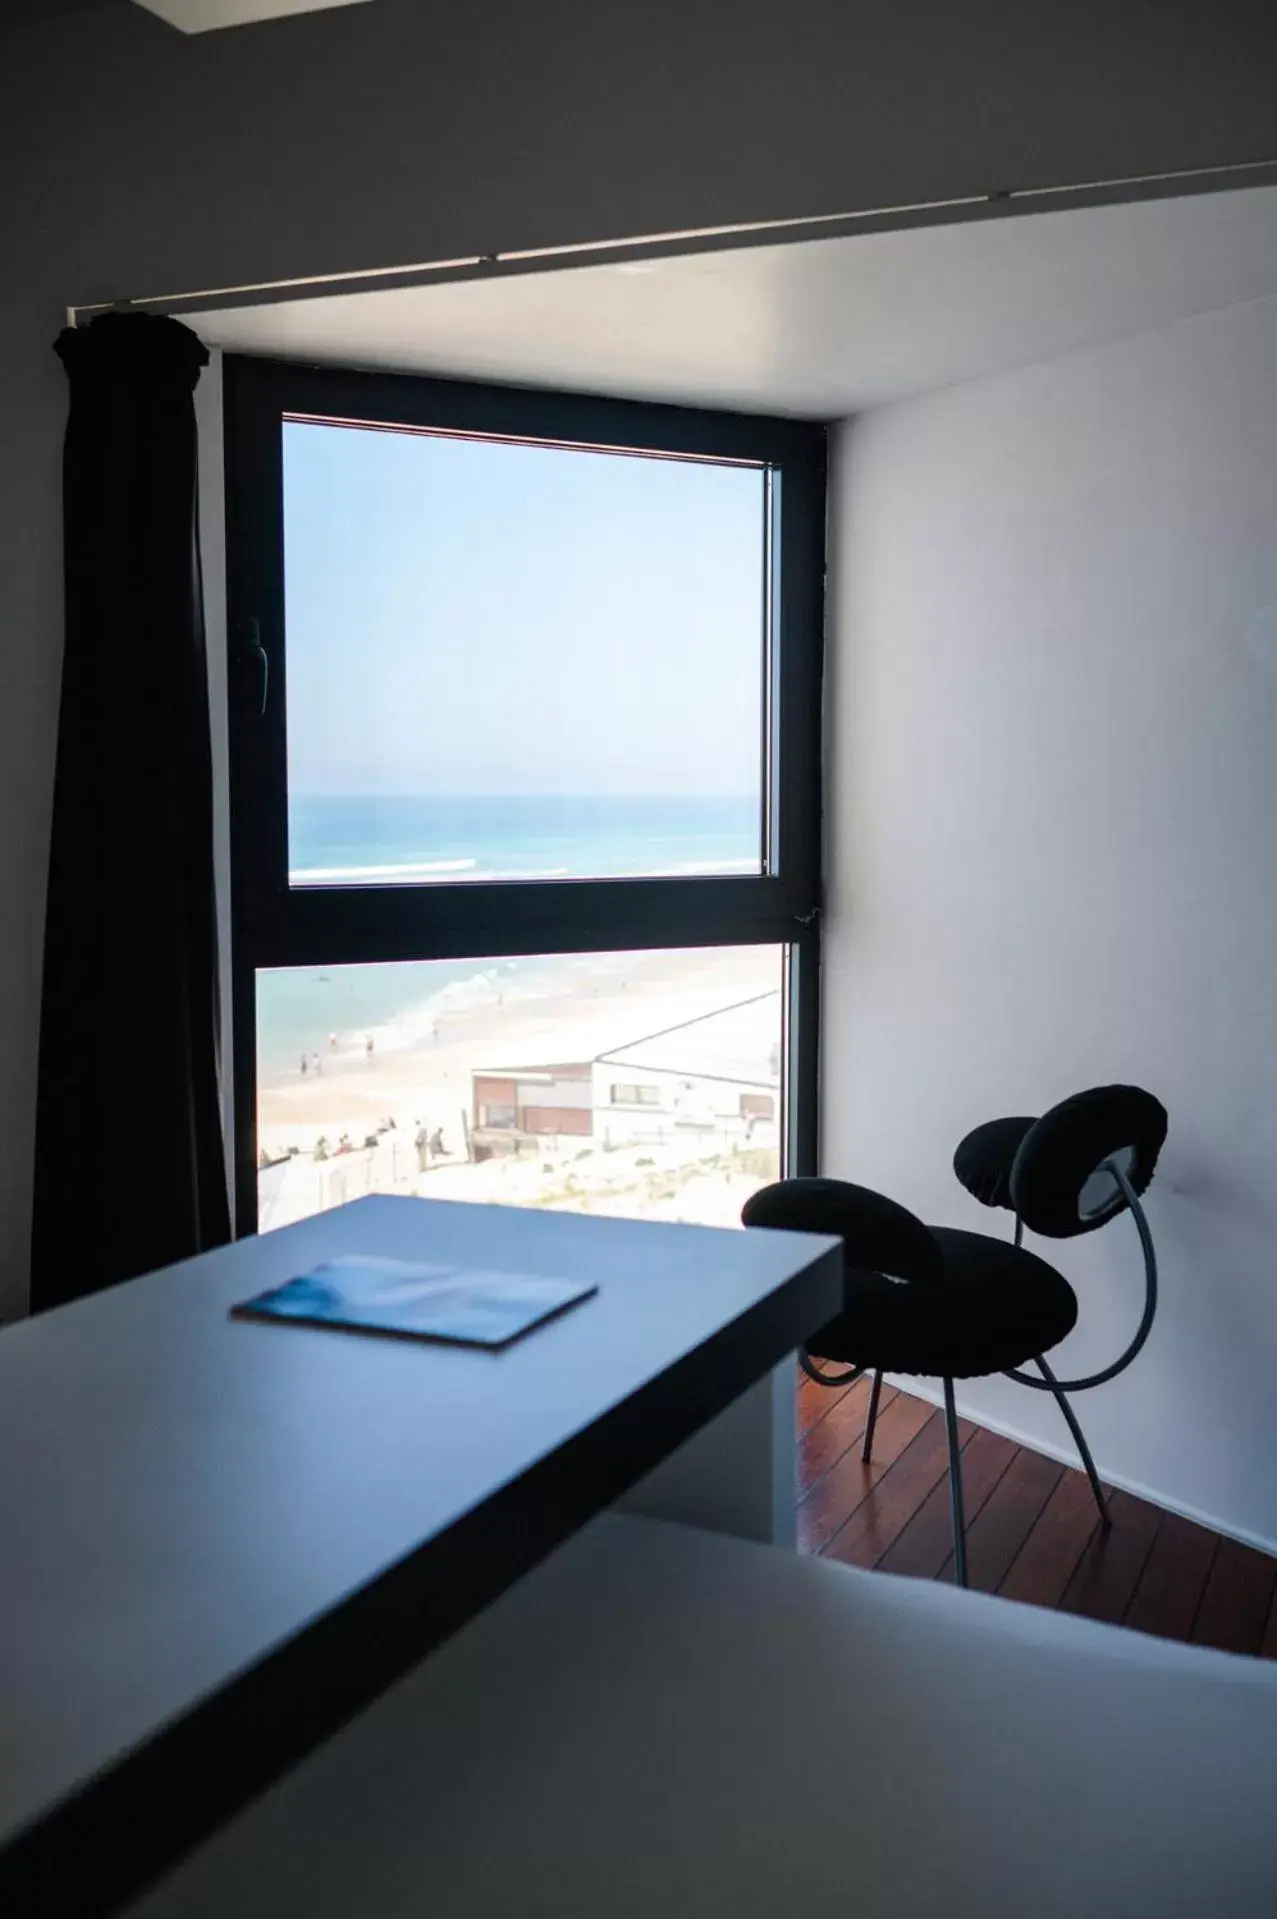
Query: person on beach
{"x": 421, "y": 1140}
{"x": 305, "y": 1064}
{"x": 368, "y": 1047}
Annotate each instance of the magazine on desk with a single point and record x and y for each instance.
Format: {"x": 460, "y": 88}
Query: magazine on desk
{"x": 403, "y": 1299}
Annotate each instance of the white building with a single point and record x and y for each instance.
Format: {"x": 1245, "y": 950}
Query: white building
{"x": 717, "y": 1074}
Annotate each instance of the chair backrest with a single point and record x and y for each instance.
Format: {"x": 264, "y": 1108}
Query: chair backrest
{"x": 1051, "y": 1171}
{"x": 879, "y": 1235}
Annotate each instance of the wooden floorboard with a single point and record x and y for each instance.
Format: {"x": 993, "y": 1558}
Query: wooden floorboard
{"x": 1033, "y": 1532}
{"x": 843, "y": 1426}
{"x": 815, "y": 1402}
{"x": 1269, "y": 1648}
{"x": 1010, "y": 1513}
{"x": 1173, "y": 1579}
{"x": 1113, "y": 1562}
{"x": 1239, "y": 1592}
{"x": 1041, "y": 1570}
{"x": 890, "y": 1504}
{"x": 833, "y": 1499}
{"x": 925, "y": 1542}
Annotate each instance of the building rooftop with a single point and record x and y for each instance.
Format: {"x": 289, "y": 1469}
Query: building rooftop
{"x": 739, "y": 1042}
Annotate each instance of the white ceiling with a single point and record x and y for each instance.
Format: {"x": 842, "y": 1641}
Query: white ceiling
{"x": 821, "y": 328}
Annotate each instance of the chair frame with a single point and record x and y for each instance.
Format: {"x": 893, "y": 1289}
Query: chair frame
{"x": 1048, "y": 1383}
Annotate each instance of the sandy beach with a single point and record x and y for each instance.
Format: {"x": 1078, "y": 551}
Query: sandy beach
{"x": 418, "y": 1076}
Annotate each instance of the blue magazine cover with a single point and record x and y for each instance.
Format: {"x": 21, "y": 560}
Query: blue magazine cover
{"x": 406, "y": 1300}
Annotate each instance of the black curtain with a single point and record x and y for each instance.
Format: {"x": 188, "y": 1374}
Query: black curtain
{"x": 130, "y": 1170}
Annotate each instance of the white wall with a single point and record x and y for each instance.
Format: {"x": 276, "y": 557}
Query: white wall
{"x": 136, "y": 160}
{"x": 1054, "y": 787}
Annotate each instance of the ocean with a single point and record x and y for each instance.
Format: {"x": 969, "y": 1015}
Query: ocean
{"x": 373, "y": 840}
{"x": 418, "y": 839}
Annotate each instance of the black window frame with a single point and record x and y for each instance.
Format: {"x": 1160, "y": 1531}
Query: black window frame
{"x": 273, "y": 925}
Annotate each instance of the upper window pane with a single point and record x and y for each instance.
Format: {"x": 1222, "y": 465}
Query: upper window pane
{"x": 515, "y": 661}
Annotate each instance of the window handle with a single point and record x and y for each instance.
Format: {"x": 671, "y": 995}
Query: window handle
{"x": 262, "y": 659}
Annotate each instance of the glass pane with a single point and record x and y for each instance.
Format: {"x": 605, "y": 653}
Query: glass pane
{"x": 508, "y": 661}
{"x": 645, "y": 1085}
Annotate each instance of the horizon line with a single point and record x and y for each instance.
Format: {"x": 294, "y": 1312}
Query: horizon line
{"x": 576, "y": 793}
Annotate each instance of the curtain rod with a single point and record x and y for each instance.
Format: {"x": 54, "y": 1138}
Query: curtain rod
{"x": 648, "y": 245}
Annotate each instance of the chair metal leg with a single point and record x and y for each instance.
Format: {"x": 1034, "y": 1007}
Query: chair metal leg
{"x": 955, "y": 1486}
{"x": 1079, "y": 1440}
{"x": 872, "y": 1420}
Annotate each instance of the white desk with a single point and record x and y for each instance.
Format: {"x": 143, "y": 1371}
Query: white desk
{"x": 220, "y": 1540}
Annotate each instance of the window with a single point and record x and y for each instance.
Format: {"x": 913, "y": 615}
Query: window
{"x": 636, "y": 1095}
{"x": 525, "y": 790}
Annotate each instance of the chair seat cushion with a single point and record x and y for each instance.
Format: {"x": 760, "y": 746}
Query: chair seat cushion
{"x": 984, "y": 1160}
{"x": 996, "y": 1306}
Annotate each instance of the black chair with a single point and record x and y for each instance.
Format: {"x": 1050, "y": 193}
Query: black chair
{"x": 936, "y": 1301}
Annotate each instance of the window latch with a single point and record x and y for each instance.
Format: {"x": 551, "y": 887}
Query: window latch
{"x": 261, "y": 659}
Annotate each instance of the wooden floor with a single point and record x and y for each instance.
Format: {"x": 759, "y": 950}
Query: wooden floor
{"x": 1032, "y": 1530}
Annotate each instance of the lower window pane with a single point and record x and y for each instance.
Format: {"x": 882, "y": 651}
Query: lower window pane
{"x": 644, "y": 1085}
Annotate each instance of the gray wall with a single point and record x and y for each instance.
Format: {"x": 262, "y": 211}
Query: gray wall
{"x": 136, "y": 161}
{"x": 1051, "y": 835}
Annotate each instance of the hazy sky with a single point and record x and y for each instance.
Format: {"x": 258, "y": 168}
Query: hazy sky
{"x": 466, "y": 617}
